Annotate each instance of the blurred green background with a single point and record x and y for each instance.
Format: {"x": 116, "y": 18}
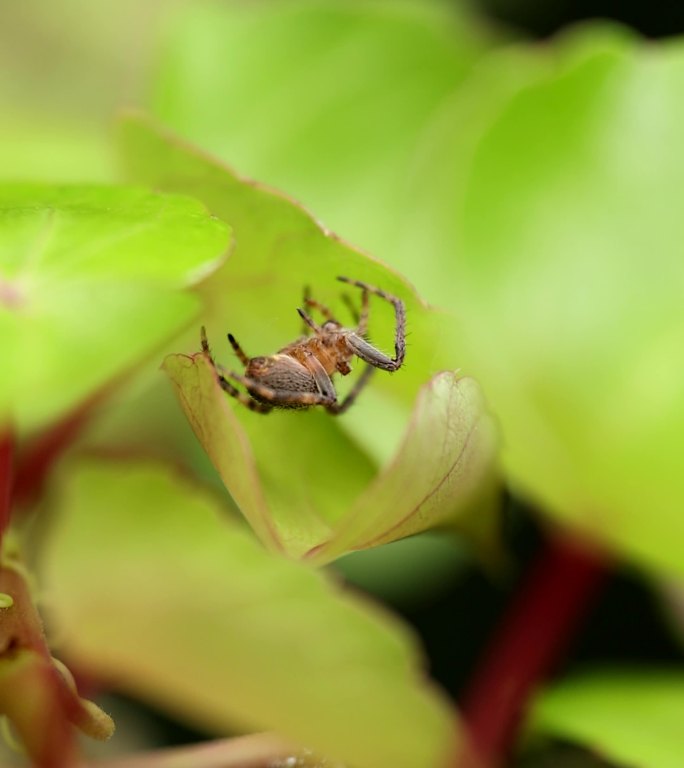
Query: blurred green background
{"x": 368, "y": 114}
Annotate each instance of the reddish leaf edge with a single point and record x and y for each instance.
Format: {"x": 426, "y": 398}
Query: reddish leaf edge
{"x": 37, "y": 458}
{"x": 266, "y": 529}
{"x": 6, "y": 479}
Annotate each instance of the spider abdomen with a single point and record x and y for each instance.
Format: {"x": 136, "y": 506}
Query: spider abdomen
{"x": 282, "y": 373}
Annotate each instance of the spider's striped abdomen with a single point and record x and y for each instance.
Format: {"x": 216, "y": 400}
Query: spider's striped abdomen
{"x": 281, "y": 372}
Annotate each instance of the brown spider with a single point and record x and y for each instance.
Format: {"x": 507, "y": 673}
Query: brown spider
{"x": 299, "y": 375}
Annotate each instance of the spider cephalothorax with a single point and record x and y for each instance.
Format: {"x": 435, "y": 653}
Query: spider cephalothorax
{"x": 300, "y": 374}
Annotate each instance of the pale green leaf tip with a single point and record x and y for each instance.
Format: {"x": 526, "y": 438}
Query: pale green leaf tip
{"x": 95, "y": 722}
{"x": 6, "y": 601}
{"x": 90, "y": 720}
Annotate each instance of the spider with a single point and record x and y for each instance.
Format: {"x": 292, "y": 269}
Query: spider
{"x": 299, "y": 375}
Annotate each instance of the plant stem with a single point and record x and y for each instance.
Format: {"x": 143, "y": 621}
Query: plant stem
{"x": 33, "y": 694}
{"x": 534, "y": 634}
{"x": 6, "y": 478}
{"x": 38, "y": 458}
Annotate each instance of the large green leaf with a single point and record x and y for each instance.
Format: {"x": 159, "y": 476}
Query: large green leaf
{"x": 569, "y": 287}
{"x": 631, "y": 717}
{"x": 90, "y": 282}
{"x": 296, "y": 475}
{"x": 328, "y": 100}
{"x": 154, "y": 590}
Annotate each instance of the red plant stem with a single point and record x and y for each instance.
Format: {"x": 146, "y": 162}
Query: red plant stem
{"x": 33, "y": 694}
{"x": 38, "y": 458}
{"x": 534, "y": 634}
{"x": 6, "y": 478}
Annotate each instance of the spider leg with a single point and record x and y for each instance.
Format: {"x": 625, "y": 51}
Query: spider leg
{"x": 241, "y": 397}
{"x": 205, "y": 343}
{"x": 309, "y": 321}
{"x": 363, "y": 318}
{"x": 353, "y": 311}
{"x": 242, "y": 357}
{"x": 327, "y": 314}
{"x": 371, "y": 355}
{"x": 338, "y": 408}
{"x": 360, "y": 319}
{"x": 365, "y": 350}
{"x": 323, "y": 381}
{"x": 226, "y": 386}
{"x": 283, "y": 397}
{"x": 305, "y": 301}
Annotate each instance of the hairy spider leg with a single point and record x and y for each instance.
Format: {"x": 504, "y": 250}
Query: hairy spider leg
{"x": 305, "y": 300}
{"x": 360, "y": 318}
{"x": 309, "y": 321}
{"x": 323, "y": 381}
{"x": 310, "y": 302}
{"x": 327, "y": 314}
{"x": 241, "y": 397}
{"x": 242, "y": 357}
{"x": 226, "y": 386}
{"x": 362, "y": 325}
{"x": 205, "y": 343}
{"x": 339, "y": 408}
{"x": 351, "y": 307}
{"x": 368, "y": 352}
{"x": 280, "y": 396}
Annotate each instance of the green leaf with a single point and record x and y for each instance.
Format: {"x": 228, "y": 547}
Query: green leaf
{"x": 277, "y": 473}
{"x": 328, "y": 100}
{"x": 569, "y": 289}
{"x": 90, "y": 281}
{"x": 104, "y": 232}
{"x": 444, "y": 459}
{"x": 154, "y": 590}
{"x": 627, "y": 716}
{"x": 296, "y": 475}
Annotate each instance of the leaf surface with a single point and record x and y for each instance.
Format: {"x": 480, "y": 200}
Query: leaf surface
{"x": 632, "y": 717}
{"x": 444, "y": 459}
{"x": 154, "y": 590}
{"x": 90, "y": 283}
{"x": 328, "y": 100}
{"x": 306, "y": 469}
{"x": 569, "y": 287}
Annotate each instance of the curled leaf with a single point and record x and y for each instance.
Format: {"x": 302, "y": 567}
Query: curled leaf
{"x": 443, "y": 463}
{"x": 444, "y": 459}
